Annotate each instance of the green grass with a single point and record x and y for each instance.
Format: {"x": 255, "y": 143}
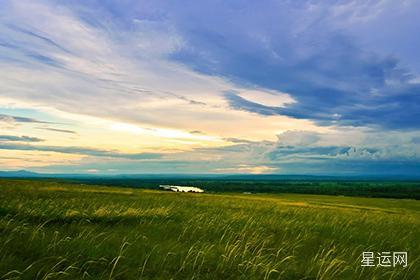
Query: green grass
{"x": 52, "y": 230}
{"x": 270, "y": 184}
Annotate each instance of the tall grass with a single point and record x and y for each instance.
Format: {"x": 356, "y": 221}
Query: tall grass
{"x": 57, "y": 231}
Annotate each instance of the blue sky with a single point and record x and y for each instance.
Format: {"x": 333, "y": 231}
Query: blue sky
{"x": 308, "y": 87}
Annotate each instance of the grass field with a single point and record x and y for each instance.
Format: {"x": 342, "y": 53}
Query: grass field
{"x": 52, "y": 230}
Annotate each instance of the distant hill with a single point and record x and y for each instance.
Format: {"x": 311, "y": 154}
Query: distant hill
{"x": 19, "y": 174}
{"x": 30, "y": 174}
{"x": 215, "y": 177}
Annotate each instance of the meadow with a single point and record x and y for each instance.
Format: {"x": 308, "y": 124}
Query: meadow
{"x": 58, "y": 230}
{"x": 390, "y": 188}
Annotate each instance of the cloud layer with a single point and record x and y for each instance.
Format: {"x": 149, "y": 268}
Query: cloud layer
{"x": 210, "y": 86}
{"x": 306, "y": 50}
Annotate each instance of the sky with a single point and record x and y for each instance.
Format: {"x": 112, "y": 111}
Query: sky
{"x": 221, "y": 86}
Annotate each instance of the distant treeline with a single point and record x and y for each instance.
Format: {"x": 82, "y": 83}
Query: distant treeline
{"x": 365, "y": 188}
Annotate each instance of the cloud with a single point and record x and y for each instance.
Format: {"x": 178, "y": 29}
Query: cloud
{"x": 307, "y": 152}
{"x": 117, "y": 71}
{"x": 236, "y": 73}
{"x": 45, "y": 39}
{"x": 240, "y": 103}
{"x": 20, "y": 138}
{"x": 307, "y": 53}
{"x": 196, "y": 132}
{"x": 57, "y": 130}
{"x": 320, "y": 152}
{"x": 298, "y": 138}
{"x": 248, "y": 169}
{"x": 238, "y": 140}
{"x": 352, "y": 167}
{"x": 80, "y": 151}
{"x": 17, "y": 119}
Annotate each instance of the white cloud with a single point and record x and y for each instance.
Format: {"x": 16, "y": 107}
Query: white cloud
{"x": 65, "y": 64}
{"x": 298, "y": 138}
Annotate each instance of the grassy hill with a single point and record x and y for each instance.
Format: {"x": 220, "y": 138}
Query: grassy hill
{"x": 55, "y": 230}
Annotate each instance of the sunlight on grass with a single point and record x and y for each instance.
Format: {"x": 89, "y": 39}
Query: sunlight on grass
{"x": 61, "y": 232}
